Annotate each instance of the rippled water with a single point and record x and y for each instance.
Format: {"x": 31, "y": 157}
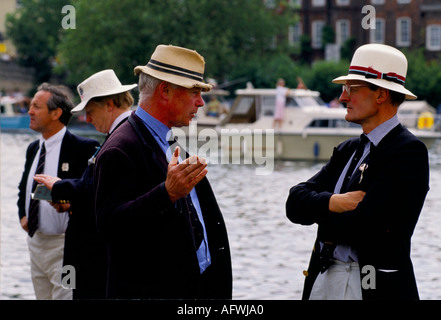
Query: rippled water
{"x": 269, "y": 253}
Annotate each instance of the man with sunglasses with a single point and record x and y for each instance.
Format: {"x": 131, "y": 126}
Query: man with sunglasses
{"x": 367, "y": 199}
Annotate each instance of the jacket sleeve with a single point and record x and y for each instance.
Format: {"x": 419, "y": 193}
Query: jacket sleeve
{"x": 393, "y": 201}
{"x": 308, "y": 202}
{"x": 72, "y": 190}
{"x": 21, "y": 202}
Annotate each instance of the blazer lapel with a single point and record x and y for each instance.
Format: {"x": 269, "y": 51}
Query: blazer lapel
{"x": 361, "y": 176}
{"x": 65, "y": 155}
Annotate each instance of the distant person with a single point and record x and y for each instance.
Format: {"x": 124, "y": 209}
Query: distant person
{"x": 301, "y": 84}
{"x": 281, "y": 95}
{"x": 165, "y": 232}
{"x": 58, "y": 153}
{"x": 107, "y": 104}
{"x": 367, "y": 199}
{"x": 335, "y": 103}
{"x": 215, "y": 108}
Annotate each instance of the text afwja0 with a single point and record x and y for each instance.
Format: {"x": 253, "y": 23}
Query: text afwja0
{"x": 227, "y": 309}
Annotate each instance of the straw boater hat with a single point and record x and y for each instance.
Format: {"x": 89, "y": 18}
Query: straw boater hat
{"x": 380, "y": 65}
{"x": 176, "y": 65}
{"x": 100, "y": 84}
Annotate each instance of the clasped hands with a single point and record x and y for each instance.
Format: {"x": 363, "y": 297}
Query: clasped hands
{"x": 184, "y": 176}
{"x": 345, "y": 201}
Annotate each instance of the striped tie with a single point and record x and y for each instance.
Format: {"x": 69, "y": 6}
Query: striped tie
{"x": 35, "y": 204}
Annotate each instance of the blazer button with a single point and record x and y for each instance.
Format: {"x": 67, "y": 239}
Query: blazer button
{"x": 305, "y": 273}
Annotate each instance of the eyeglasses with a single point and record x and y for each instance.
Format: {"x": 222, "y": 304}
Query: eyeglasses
{"x": 347, "y": 87}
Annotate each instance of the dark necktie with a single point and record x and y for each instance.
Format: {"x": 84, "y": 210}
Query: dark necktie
{"x": 187, "y": 206}
{"x": 327, "y": 251}
{"x": 195, "y": 224}
{"x": 35, "y": 204}
{"x": 357, "y": 156}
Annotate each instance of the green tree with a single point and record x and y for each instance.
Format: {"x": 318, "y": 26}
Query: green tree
{"x": 236, "y": 36}
{"x": 35, "y": 31}
{"x": 319, "y": 77}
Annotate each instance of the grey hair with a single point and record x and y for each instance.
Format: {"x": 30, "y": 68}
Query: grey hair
{"x": 147, "y": 86}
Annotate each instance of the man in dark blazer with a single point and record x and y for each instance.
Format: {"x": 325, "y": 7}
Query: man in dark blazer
{"x": 66, "y": 156}
{"x": 366, "y": 214}
{"x": 145, "y": 199}
{"x": 107, "y": 104}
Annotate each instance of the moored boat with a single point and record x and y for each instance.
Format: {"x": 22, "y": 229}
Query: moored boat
{"x": 310, "y": 129}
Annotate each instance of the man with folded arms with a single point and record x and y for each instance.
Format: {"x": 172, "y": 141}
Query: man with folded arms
{"x": 367, "y": 199}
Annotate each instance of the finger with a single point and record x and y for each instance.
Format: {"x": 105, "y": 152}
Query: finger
{"x": 175, "y": 156}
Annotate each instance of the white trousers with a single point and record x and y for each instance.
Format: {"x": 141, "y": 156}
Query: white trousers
{"x": 340, "y": 282}
{"x": 46, "y": 253}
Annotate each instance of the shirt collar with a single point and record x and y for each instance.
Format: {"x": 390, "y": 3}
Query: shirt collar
{"x": 155, "y": 126}
{"x": 376, "y": 135}
{"x": 53, "y": 140}
{"x": 119, "y": 119}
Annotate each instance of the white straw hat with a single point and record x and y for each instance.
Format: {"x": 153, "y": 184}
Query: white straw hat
{"x": 177, "y": 65}
{"x": 380, "y": 65}
{"x": 100, "y": 84}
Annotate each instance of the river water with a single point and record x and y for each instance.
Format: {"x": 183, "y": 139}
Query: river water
{"x": 269, "y": 253}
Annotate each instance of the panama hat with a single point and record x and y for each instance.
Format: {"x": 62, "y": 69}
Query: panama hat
{"x": 177, "y": 65}
{"x": 100, "y": 84}
{"x": 380, "y": 65}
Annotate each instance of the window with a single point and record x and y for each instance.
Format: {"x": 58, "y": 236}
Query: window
{"x": 343, "y": 2}
{"x": 317, "y": 34}
{"x": 404, "y": 27}
{"x": 318, "y": 3}
{"x": 403, "y": 1}
{"x": 343, "y": 31}
{"x": 433, "y": 37}
{"x": 377, "y": 1}
{"x": 377, "y": 34}
{"x": 294, "y": 34}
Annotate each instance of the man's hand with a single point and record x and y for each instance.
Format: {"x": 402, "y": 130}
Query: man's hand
{"x": 183, "y": 177}
{"x": 346, "y": 201}
{"x": 24, "y": 223}
{"x": 48, "y": 181}
{"x": 61, "y": 207}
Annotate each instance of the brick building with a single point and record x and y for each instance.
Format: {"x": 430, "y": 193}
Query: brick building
{"x": 333, "y": 24}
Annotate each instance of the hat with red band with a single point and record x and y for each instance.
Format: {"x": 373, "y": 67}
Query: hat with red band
{"x": 380, "y": 65}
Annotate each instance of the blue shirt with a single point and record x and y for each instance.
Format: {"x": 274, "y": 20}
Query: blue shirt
{"x": 162, "y": 133}
{"x": 344, "y": 252}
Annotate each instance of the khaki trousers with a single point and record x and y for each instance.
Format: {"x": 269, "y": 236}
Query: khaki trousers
{"x": 46, "y": 254}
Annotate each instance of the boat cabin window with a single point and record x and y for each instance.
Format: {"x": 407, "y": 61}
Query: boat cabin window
{"x": 309, "y": 101}
{"x": 269, "y": 104}
{"x": 244, "y": 111}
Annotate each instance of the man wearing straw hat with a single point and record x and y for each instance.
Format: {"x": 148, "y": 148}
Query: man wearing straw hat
{"x": 166, "y": 235}
{"x": 107, "y": 104}
{"x": 367, "y": 199}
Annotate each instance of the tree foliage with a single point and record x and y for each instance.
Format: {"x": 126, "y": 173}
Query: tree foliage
{"x": 35, "y": 31}
{"x": 122, "y": 34}
{"x": 241, "y": 40}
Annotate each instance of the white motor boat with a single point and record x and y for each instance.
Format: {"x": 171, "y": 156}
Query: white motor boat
{"x": 310, "y": 130}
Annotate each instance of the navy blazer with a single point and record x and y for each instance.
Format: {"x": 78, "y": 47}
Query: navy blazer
{"x": 396, "y": 182}
{"x": 84, "y": 248}
{"x": 75, "y": 151}
{"x": 151, "y": 251}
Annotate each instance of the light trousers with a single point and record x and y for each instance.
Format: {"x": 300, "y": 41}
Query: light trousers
{"x": 46, "y": 254}
{"x": 340, "y": 282}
